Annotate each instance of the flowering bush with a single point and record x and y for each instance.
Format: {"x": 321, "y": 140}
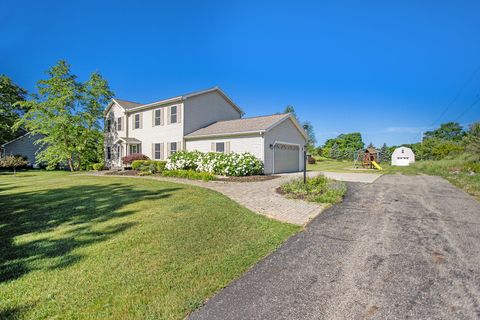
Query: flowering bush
{"x": 228, "y": 164}
{"x": 132, "y": 157}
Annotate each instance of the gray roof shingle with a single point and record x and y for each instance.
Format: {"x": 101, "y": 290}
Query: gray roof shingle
{"x": 239, "y": 125}
{"x": 127, "y": 104}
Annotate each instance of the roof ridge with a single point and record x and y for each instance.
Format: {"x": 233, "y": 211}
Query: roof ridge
{"x": 124, "y": 100}
{"x": 256, "y": 117}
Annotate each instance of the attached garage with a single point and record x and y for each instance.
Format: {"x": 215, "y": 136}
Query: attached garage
{"x": 278, "y": 140}
{"x": 286, "y": 157}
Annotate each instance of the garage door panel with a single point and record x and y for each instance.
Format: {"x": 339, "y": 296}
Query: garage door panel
{"x": 286, "y": 158}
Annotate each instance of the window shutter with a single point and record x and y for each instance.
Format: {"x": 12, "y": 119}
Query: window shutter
{"x": 141, "y": 120}
{"x": 162, "y": 116}
{"x": 153, "y": 151}
{"x": 168, "y": 149}
{"x": 227, "y": 147}
{"x": 123, "y": 124}
{"x": 179, "y": 113}
{"x": 133, "y": 122}
{"x": 162, "y": 151}
{"x": 179, "y": 146}
{"x": 153, "y": 118}
{"x": 168, "y": 114}
{"x": 212, "y": 148}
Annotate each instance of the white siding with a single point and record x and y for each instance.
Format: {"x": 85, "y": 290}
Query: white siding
{"x": 149, "y": 134}
{"x": 205, "y": 109}
{"x": 238, "y": 144}
{"x": 24, "y": 146}
{"x": 114, "y": 113}
{"x": 284, "y": 132}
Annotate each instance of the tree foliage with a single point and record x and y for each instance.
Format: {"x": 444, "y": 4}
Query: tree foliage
{"x": 13, "y": 162}
{"x": 450, "y": 131}
{"x": 346, "y": 145}
{"x": 10, "y": 112}
{"x": 472, "y": 140}
{"x": 68, "y": 113}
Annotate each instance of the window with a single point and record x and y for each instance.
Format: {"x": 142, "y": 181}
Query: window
{"x": 173, "y": 147}
{"x": 173, "y": 114}
{"x": 157, "y": 151}
{"x": 158, "y": 117}
{"x": 109, "y": 125}
{"x": 220, "y": 147}
{"x": 134, "y": 148}
{"x": 109, "y": 153}
{"x": 136, "y": 121}
{"x": 119, "y": 124}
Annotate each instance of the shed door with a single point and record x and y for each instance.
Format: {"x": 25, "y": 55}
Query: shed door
{"x": 286, "y": 158}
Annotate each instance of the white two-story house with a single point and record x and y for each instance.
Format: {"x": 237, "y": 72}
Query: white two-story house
{"x": 207, "y": 121}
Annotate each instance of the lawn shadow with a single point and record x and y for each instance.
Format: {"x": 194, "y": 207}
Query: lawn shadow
{"x": 78, "y": 210}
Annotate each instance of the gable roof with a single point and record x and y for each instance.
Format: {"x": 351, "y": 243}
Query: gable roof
{"x": 134, "y": 106}
{"x": 125, "y": 104}
{"x": 245, "y": 125}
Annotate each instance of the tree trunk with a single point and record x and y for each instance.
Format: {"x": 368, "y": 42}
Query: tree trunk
{"x": 14, "y": 170}
{"x": 70, "y": 164}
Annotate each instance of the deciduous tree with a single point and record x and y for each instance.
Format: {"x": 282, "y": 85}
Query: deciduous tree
{"x": 10, "y": 112}
{"x": 68, "y": 113}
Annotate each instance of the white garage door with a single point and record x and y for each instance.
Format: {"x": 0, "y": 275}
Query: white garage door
{"x": 286, "y": 158}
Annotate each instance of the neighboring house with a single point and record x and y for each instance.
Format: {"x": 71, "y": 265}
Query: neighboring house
{"x": 402, "y": 156}
{"x": 206, "y": 121}
{"x": 24, "y": 146}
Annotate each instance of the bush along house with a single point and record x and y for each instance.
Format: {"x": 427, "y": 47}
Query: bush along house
{"x": 206, "y": 121}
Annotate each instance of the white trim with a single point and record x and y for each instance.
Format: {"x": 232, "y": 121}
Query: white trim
{"x": 154, "y": 104}
{"x": 182, "y": 98}
{"x": 291, "y": 144}
{"x": 22, "y": 136}
{"x": 224, "y": 134}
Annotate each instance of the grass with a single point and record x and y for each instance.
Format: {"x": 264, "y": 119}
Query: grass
{"x": 84, "y": 247}
{"x": 457, "y": 171}
{"x": 460, "y": 172}
{"x": 189, "y": 174}
{"x": 317, "y": 189}
{"x": 329, "y": 165}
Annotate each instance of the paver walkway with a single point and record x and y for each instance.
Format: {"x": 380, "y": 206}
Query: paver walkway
{"x": 261, "y": 197}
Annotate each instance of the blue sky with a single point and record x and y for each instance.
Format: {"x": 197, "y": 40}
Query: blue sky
{"x": 388, "y": 70}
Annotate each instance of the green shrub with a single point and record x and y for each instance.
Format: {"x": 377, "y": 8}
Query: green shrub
{"x": 136, "y": 164}
{"x": 228, "y": 164}
{"x": 189, "y": 174}
{"x": 98, "y": 166}
{"x": 151, "y": 166}
{"x": 160, "y": 166}
{"x": 317, "y": 189}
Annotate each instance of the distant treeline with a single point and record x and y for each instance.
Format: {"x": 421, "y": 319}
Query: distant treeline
{"x": 447, "y": 141}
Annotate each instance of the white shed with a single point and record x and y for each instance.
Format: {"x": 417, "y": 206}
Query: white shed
{"x": 403, "y": 156}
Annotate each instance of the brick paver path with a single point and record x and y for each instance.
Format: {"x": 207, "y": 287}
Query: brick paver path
{"x": 261, "y": 197}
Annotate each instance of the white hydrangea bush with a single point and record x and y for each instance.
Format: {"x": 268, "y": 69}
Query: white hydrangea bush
{"x": 230, "y": 164}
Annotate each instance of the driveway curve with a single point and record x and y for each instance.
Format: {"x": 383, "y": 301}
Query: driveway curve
{"x": 402, "y": 247}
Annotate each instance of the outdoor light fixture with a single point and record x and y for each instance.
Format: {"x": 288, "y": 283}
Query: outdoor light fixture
{"x": 271, "y": 146}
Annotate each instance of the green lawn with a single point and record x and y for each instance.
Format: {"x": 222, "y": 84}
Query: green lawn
{"x": 83, "y": 247}
{"x": 454, "y": 170}
{"x": 324, "y": 164}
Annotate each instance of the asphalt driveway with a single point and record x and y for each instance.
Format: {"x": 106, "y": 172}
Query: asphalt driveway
{"x": 401, "y": 247}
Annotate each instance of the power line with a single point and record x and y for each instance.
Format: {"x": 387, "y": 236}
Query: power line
{"x": 468, "y": 108}
{"x": 459, "y": 92}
